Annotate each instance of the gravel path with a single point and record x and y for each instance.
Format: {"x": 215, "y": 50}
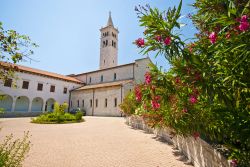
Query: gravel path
{"x": 98, "y": 142}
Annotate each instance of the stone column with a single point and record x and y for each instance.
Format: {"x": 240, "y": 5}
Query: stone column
{"x": 30, "y": 105}
{"x": 13, "y": 104}
{"x": 44, "y": 104}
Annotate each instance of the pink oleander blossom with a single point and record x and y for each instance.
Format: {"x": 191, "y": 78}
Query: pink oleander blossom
{"x": 244, "y": 24}
{"x": 213, "y": 37}
{"x": 147, "y": 78}
{"x": 234, "y": 162}
{"x": 157, "y": 98}
{"x": 185, "y": 110}
{"x": 196, "y": 135}
{"x": 140, "y": 42}
{"x": 155, "y": 105}
{"x": 193, "y": 99}
{"x": 167, "y": 41}
{"x": 138, "y": 94}
{"x": 158, "y": 38}
{"x": 177, "y": 80}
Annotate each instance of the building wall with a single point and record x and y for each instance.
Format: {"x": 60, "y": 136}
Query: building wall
{"x": 141, "y": 67}
{"x": 109, "y": 93}
{"x": 18, "y": 94}
{"x": 122, "y": 73}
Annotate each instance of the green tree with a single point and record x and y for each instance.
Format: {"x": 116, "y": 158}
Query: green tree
{"x": 13, "y": 48}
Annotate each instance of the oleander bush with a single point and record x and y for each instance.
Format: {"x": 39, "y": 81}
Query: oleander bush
{"x": 58, "y": 116}
{"x": 206, "y": 92}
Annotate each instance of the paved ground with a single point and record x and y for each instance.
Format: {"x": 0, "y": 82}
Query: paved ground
{"x": 98, "y": 142}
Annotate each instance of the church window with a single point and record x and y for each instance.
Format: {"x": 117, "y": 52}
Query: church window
{"x": 82, "y": 103}
{"x": 25, "y": 85}
{"x": 104, "y": 61}
{"x": 89, "y": 79}
{"x": 8, "y": 82}
{"x": 115, "y": 44}
{"x": 96, "y": 103}
{"x": 106, "y": 42}
{"x": 102, "y": 78}
{"x": 106, "y": 102}
{"x": 115, "y": 102}
{"x": 52, "y": 88}
{"x": 65, "y": 90}
{"x": 114, "y": 76}
{"x": 90, "y": 102}
{"x": 103, "y": 44}
{"x": 39, "y": 86}
{"x": 78, "y": 104}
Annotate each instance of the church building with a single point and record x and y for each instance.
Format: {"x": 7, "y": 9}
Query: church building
{"x": 97, "y": 92}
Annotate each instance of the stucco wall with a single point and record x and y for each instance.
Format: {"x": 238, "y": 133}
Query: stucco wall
{"x": 109, "y": 93}
{"x": 32, "y": 91}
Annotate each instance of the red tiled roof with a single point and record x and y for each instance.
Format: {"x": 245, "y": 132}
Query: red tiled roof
{"x": 107, "y": 84}
{"x": 39, "y": 72}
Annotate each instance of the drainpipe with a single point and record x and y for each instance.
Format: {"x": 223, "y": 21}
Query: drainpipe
{"x": 93, "y": 102}
{"x": 121, "y": 97}
{"x": 69, "y": 100}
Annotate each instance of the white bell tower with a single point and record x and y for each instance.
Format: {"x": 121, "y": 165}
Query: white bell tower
{"x": 109, "y": 45}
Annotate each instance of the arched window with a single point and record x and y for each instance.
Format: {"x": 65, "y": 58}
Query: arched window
{"x": 96, "y": 103}
{"x": 114, "y": 76}
{"x": 103, "y": 44}
{"x": 106, "y": 42}
{"x": 115, "y": 102}
{"x": 101, "y": 78}
{"x": 106, "y": 102}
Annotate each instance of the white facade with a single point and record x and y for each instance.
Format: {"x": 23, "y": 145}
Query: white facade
{"x": 97, "y": 92}
{"x": 20, "y": 99}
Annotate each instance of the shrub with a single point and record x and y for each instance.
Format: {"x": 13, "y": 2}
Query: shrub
{"x": 78, "y": 116}
{"x": 206, "y": 91}
{"x": 58, "y": 116}
{"x": 13, "y": 152}
{"x": 129, "y": 104}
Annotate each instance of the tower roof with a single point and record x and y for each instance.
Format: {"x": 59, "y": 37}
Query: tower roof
{"x": 110, "y": 22}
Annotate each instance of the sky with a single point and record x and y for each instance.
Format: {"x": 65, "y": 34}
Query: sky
{"x": 67, "y": 31}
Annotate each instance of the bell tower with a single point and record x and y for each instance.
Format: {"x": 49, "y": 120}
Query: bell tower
{"x": 109, "y": 45}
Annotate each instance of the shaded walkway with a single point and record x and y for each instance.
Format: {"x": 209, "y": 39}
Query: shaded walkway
{"x": 98, "y": 142}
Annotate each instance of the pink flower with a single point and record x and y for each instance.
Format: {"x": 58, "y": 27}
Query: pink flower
{"x": 193, "y": 99}
{"x": 185, "y": 110}
{"x": 147, "y": 78}
{"x": 244, "y": 26}
{"x": 158, "y": 38}
{"x": 196, "y": 135}
{"x": 140, "y": 42}
{"x": 177, "y": 80}
{"x": 155, "y": 104}
{"x": 167, "y": 41}
{"x": 213, "y": 37}
{"x": 244, "y": 18}
{"x": 157, "y": 98}
{"x": 228, "y": 35}
{"x": 234, "y": 162}
{"x": 138, "y": 94}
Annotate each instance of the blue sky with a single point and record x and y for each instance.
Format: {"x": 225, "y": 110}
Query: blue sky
{"x": 67, "y": 31}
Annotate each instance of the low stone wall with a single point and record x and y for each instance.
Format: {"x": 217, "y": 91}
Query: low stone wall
{"x": 200, "y": 153}
{"x": 19, "y": 114}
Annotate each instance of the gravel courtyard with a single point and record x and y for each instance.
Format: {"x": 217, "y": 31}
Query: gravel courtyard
{"x": 97, "y": 142}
